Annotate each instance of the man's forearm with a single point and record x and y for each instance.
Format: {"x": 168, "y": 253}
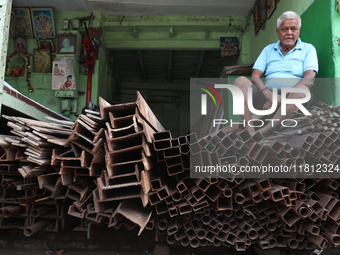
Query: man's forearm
{"x": 306, "y": 81}
{"x": 308, "y": 78}
{"x": 258, "y": 82}
{"x": 256, "y": 79}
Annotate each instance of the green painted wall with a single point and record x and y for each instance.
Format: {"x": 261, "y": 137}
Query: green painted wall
{"x": 335, "y": 15}
{"x": 316, "y": 29}
{"x": 42, "y": 83}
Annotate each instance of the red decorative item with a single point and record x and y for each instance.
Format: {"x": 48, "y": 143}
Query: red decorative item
{"x": 22, "y": 70}
{"x": 16, "y": 71}
{"x": 90, "y": 62}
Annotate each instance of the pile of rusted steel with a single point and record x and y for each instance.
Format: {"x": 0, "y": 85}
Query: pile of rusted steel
{"x": 120, "y": 168}
{"x": 233, "y": 210}
{"x": 23, "y": 158}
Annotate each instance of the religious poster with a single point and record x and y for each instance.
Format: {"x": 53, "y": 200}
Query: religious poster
{"x": 257, "y": 18}
{"x": 271, "y": 7}
{"x": 263, "y": 13}
{"x": 21, "y": 23}
{"x": 20, "y": 44}
{"x": 43, "y": 22}
{"x": 229, "y": 46}
{"x": 42, "y": 60}
{"x": 62, "y": 74}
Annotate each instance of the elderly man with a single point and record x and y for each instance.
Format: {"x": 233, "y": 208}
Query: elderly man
{"x": 287, "y": 63}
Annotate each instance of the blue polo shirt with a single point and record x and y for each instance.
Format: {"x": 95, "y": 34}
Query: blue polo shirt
{"x": 290, "y": 68}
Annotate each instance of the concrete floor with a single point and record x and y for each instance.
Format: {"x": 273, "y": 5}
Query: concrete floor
{"x": 112, "y": 242}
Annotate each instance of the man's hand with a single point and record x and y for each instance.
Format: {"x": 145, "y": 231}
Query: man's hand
{"x": 267, "y": 105}
{"x": 269, "y": 96}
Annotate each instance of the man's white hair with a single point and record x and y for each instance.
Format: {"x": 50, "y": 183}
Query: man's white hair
{"x": 288, "y": 15}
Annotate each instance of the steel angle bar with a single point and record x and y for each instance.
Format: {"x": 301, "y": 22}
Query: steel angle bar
{"x": 7, "y": 153}
{"x": 59, "y": 191}
{"x": 83, "y": 160}
{"x": 89, "y": 147}
{"x": 48, "y": 181}
{"x": 147, "y": 113}
{"x": 126, "y": 156}
{"x": 75, "y": 212}
{"x": 129, "y": 143}
{"x": 139, "y": 152}
{"x": 126, "y": 141}
{"x": 79, "y": 190}
{"x": 118, "y": 110}
{"x": 124, "y": 178}
{"x": 124, "y": 191}
{"x": 81, "y": 132}
{"x": 67, "y": 174}
{"x": 121, "y": 122}
{"x": 133, "y": 211}
{"x": 123, "y": 131}
{"x": 129, "y": 125}
{"x": 98, "y": 163}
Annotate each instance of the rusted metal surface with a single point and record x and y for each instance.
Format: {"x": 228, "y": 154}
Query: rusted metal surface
{"x": 133, "y": 211}
{"x": 121, "y": 168}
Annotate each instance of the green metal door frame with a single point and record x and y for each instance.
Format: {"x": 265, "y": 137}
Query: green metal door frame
{"x": 5, "y": 17}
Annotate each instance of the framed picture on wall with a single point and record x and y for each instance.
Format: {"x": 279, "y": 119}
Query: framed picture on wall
{"x": 271, "y": 8}
{"x": 46, "y": 44}
{"x": 229, "y": 46}
{"x": 20, "y": 45}
{"x": 21, "y": 23}
{"x": 66, "y": 44}
{"x": 257, "y": 21}
{"x": 42, "y": 61}
{"x": 43, "y": 22}
{"x": 263, "y": 12}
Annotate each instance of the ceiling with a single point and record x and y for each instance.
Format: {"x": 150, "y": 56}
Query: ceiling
{"x": 167, "y": 66}
{"x": 147, "y": 7}
{"x": 144, "y": 64}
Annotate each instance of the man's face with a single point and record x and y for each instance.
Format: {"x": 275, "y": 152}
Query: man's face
{"x": 288, "y": 32}
{"x": 66, "y": 43}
